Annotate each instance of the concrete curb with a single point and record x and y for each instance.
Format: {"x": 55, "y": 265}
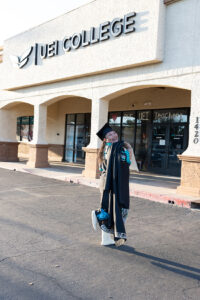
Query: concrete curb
{"x": 158, "y": 193}
{"x": 156, "y": 197}
{"x": 166, "y": 199}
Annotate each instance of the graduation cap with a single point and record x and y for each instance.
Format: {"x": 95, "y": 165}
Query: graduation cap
{"x": 103, "y": 131}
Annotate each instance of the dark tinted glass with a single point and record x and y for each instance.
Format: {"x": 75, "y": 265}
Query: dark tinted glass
{"x": 71, "y": 119}
{"x": 128, "y": 127}
{"x": 173, "y": 116}
{"x": 25, "y": 120}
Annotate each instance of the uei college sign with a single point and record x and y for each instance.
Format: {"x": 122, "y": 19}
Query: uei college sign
{"x": 105, "y": 31}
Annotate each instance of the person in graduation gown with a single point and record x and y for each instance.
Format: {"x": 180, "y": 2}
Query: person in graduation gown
{"x": 115, "y": 158}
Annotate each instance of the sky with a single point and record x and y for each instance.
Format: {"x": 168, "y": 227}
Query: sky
{"x": 21, "y": 15}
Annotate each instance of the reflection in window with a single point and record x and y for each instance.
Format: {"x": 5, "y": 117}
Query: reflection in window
{"x": 180, "y": 116}
{"x": 77, "y": 136}
{"x": 142, "y": 138}
{"x": 71, "y": 119}
{"x": 157, "y": 136}
{"x": 173, "y": 116}
{"x": 128, "y": 127}
{"x": 25, "y": 128}
{"x": 114, "y": 120}
{"x": 80, "y": 119}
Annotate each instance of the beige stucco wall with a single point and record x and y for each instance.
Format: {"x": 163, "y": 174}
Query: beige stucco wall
{"x": 180, "y": 67}
{"x": 56, "y": 114}
{"x": 181, "y": 58}
{"x": 162, "y": 52}
{"x": 151, "y": 98}
{"x": 23, "y": 150}
{"x": 149, "y": 25}
{"x": 24, "y": 110}
{"x": 1, "y": 54}
{"x": 15, "y": 110}
{"x": 136, "y": 100}
{"x": 158, "y": 97}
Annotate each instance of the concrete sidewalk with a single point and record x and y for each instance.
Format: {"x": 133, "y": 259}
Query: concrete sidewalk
{"x": 142, "y": 185}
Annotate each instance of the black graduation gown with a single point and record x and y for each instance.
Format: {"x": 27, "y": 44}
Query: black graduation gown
{"x": 116, "y": 192}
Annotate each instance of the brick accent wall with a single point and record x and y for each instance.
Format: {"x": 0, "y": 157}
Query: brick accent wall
{"x": 55, "y": 152}
{"x": 23, "y": 150}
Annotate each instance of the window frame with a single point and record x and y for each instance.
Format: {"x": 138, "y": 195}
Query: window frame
{"x": 20, "y": 125}
{"x": 167, "y": 2}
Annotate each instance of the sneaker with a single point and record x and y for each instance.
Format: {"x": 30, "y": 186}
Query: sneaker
{"x": 107, "y": 239}
{"x": 94, "y": 220}
{"x": 119, "y": 242}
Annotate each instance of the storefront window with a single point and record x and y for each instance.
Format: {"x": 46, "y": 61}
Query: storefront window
{"x": 69, "y": 143}
{"x": 18, "y": 128}
{"x": 143, "y": 134}
{"x": 161, "y": 116}
{"x": 114, "y": 120}
{"x": 180, "y": 116}
{"x": 177, "y": 144}
{"x": 71, "y": 119}
{"x": 170, "y": 138}
{"x": 157, "y": 136}
{"x": 77, "y": 136}
{"x": 173, "y": 116}
{"x": 128, "y": 127}
{"x": 25, "y": 128}
{"x": 87, "y": 128}
{"x": 159, "y": 143}
{"x": 80, "y": 119}
{"x": 31, "y": 124}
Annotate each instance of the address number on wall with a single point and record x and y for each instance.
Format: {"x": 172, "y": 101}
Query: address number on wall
{"x": 196, "y": 139}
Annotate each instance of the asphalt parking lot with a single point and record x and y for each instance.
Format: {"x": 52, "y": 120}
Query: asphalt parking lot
{"x": 48, "y": 249}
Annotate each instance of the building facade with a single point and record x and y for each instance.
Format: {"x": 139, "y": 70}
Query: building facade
{"x": 134, "y": 63}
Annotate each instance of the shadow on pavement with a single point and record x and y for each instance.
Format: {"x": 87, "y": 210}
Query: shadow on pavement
{"x": 163, "y": 263}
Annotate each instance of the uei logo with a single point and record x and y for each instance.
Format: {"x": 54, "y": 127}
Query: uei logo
{"x": 107, "y": 30}
{"x": 21, "y": 61}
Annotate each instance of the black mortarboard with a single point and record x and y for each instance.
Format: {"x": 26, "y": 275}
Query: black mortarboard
{"x": 103, "y": 131}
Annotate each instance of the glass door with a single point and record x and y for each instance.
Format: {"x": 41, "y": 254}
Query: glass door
{"x": 170, "y": 138}
{"x": 77, "y": 136}
{"x": 115, "y": 121}
{"x": 177, "y": 144}
{"x": 143, "y": 139}
{"x": 80, "y": 138}
{"x": 157, "y": 137}
{"x": 159, "y": 151}
{"x": 70, "y": 135}
{"x": 168, "y": 141}
{"x": 128, "y": 127}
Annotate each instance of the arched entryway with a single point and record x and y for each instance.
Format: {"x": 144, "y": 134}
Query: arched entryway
{"x": 16, "y": 131}
{"x": 68, "y": 128}
{"x": 155, "y": 121}
{"x": 43, "y": 132}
